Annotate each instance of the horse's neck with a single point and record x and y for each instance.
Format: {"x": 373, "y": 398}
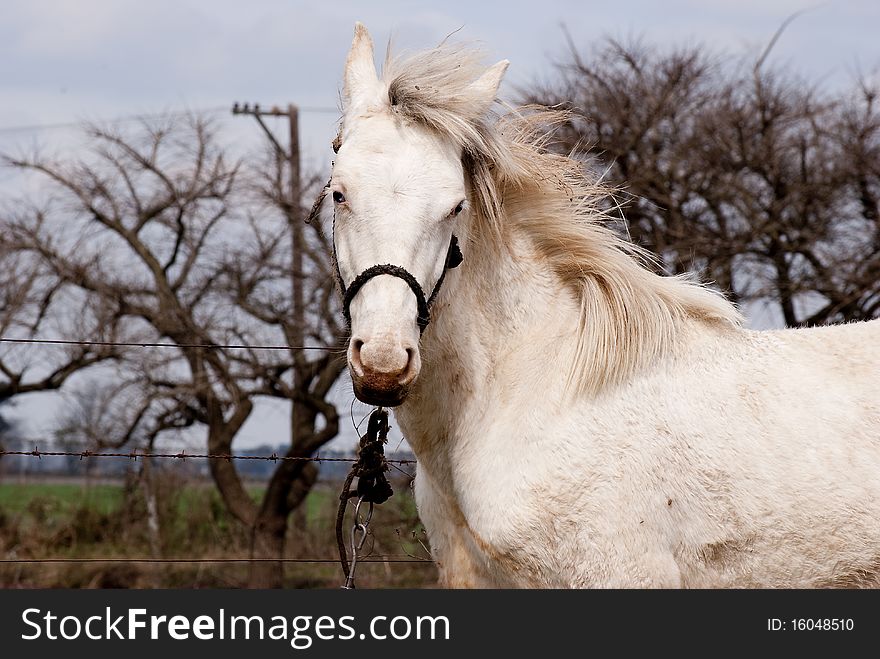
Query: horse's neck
{"x": 501, "y": 304}
{"x": 496, "y": 330}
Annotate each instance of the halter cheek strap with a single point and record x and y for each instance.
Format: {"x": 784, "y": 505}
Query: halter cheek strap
{"x": 454, "y": 258}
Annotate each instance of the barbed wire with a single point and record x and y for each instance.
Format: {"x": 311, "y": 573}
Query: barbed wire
{"x": 156, "y": 344}
{"x": 373, "y": 559}
{"x": 183, "y": 455}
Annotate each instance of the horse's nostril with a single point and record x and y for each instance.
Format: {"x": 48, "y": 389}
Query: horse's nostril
{"x": 409, "y": 371}
{"x": 356, "y": 364}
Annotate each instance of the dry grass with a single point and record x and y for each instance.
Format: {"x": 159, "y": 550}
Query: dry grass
{"x": 46, "y": 519}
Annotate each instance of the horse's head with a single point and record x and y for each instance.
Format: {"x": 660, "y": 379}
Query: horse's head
{"x": 399, "y": 191}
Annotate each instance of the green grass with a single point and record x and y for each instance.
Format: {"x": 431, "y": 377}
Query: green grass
{"x": 60, "y": 498}
{"x": 318, "y": 501}
{"x": 102, "y": 498}
{"x": 107, "y": 498}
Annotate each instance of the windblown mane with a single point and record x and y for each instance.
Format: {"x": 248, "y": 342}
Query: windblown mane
{"x": 629, "y": 314}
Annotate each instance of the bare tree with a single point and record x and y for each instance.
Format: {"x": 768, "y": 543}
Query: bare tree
{"x": 34, "y": 303}
{"x": 176, "y": 241}
{"x": 750, "y": 175}
{"x": 7, "y": 430}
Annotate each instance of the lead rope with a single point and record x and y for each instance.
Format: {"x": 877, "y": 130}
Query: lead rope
{"x": 372, "y": 488}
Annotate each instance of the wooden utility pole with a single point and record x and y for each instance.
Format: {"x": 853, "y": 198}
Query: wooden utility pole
{"x": 296, "y": 233}
{"x": 295, "y": 222}
{"x": 269, "y": 530}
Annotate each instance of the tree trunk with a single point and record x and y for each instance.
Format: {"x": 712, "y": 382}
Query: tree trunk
{"x": 267, "y": 542}
{"x": 154, "y": 537}
{"x": 283, "y": 495}
{"x": 288, "y": 487}
{"x": 785, "y": 287}
{"x": 220, "y": 435}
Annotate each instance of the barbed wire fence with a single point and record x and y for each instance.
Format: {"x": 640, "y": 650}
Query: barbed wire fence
{"x": 183, "y": 455}
{"x": 88, "y": 453}
{"x": 145, "y": 454}
{"x": 159, "y": 344}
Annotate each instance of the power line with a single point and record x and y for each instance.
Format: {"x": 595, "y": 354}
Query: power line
{"x": 149, "y": 115}
{"x": 112, "y": 120}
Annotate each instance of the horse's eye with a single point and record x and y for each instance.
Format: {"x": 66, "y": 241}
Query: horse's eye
{"x": 338, "y": 197}
{"x": 458, "y": 208}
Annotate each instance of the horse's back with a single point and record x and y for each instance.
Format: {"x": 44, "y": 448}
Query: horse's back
{"x": 776, "y": 438}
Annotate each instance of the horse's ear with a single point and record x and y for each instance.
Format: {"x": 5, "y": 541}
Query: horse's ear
{"x": 484, "y": 89}
{"x": 361, "y": 82}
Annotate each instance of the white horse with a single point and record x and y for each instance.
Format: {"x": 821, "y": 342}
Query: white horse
{"x": 578, "y": 420}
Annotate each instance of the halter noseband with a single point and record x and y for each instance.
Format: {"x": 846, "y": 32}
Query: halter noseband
{"x": 453, "y": 260}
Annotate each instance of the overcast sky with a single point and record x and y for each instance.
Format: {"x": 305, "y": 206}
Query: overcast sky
{"x": 65, "y": 61}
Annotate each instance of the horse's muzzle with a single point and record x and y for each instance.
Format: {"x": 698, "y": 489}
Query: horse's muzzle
{"x": 379, "y": 393}
{"x": 382, "y": 370}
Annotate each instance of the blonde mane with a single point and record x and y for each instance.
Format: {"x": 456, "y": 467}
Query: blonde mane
{"x": 629, "y": 316}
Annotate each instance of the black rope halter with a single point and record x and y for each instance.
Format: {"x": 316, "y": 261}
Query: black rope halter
{"x": 453, "y": 260}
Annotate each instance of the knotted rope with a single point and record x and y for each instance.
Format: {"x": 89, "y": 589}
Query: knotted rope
{"x": 372, "y": 486}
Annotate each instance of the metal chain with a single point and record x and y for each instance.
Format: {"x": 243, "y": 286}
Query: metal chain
{"x": 359, "y": 531}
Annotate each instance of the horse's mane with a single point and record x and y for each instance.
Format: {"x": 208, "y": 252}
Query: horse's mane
{"x": 629, "y": 315}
